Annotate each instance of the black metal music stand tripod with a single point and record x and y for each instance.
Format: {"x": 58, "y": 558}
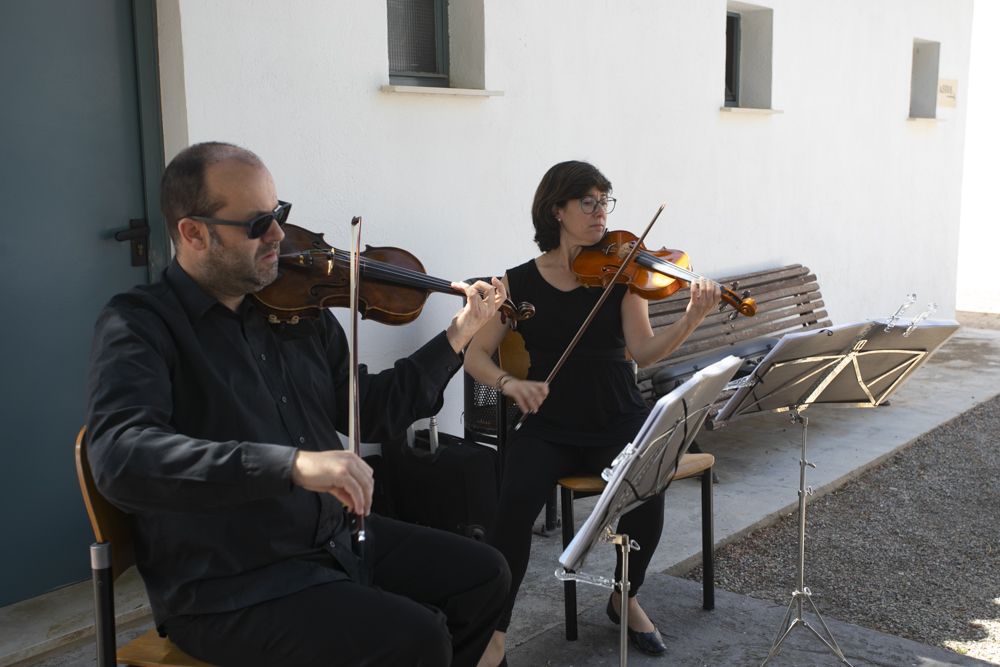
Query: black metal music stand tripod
{"x": 643, "y": 469}
{"x": 857, "y": 365}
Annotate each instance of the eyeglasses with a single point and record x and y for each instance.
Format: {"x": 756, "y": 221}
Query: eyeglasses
{"x": 256, "y": 227}
{"x": 589, "y": 204}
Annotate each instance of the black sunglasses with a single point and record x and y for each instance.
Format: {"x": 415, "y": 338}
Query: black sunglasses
{"x": 256, "y": 227}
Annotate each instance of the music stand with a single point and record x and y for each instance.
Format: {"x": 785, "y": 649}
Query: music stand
{"x": 643, "y": 469}
{"x": 857, "y": 365}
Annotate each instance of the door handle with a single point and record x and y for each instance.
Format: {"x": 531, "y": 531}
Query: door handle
{"x": 137, "y": 234}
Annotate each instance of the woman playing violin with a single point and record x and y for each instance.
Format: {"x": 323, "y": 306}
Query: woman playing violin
{"x": 593, "y": 407}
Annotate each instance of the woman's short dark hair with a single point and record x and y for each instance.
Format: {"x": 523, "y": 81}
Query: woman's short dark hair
{"x": 562, "y": 182}
{"x": 182, "y": 188}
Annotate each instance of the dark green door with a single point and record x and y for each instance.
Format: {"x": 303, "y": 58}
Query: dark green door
{"x": 76, "y": 134}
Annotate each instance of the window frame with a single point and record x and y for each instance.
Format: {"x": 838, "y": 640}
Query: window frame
{"x": 440, "y": 78}
{"x": 732, "y": 73}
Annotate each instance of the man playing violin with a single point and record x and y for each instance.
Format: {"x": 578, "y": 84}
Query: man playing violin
{"x": 218, "y": 432}
{"x": 592, "y": 408}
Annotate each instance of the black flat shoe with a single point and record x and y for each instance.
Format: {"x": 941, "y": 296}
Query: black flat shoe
{"x": 612, "y": 614}
{"x": 650, "y": 643}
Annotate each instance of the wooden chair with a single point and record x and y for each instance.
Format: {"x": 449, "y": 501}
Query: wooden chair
{"x": 691, "y": 465}
{"x": 111, "y": 556}
{"x": 513, "y": 358}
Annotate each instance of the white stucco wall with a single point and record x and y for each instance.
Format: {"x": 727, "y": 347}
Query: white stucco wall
{"x": 980, "y": 229}
{"x": 839, "y": 181}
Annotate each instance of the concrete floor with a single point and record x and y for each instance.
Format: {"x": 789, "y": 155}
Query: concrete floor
{"x": 758, "y": 466}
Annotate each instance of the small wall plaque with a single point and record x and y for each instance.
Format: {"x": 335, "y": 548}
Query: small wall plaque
{"x": 947, "y": 92}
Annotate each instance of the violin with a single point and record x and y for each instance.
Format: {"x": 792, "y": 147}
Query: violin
{"x": 653, "y": 274}
{"x": 620, "y": 258}
{"x": 312, "y": 275}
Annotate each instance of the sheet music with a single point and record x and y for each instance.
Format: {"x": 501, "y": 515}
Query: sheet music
{"x": 858, "y": 364}
{"x": 647, "y": 464}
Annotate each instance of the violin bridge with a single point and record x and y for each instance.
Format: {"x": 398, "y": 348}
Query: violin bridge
{"x": 624, "y": 250}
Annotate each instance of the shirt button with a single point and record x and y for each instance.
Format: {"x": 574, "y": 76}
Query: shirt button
{"x": 284, "y": 399}
{"x": 263, "y": 357}
{"x": 302, "y": 440}
{"x": 333, "y": 545}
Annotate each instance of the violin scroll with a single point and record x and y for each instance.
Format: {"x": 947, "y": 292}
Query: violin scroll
{"x": 742, "y": 303}
{"x": 514, "y": 314}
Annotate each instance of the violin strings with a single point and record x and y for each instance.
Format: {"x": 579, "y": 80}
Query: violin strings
{"x": 401, "y": 275}
{"x": 653, "y": 262}
{"x": 392, "y": 273}
{"x": 668, "y": 268}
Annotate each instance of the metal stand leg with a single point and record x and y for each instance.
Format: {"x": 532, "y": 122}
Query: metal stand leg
{"x": 623, "y": 587}
{"x": 569, "y": 584}
{"x": 802, "y": 592}
{"x": 627, "y": 546}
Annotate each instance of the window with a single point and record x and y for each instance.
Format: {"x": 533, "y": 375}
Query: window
{"x": 749, "y": 36}
{"x": 924, "y": 79}
{"x": 732, "y": 59}
{"x": 437, "y": 47}
{"x": 418, "y": 42}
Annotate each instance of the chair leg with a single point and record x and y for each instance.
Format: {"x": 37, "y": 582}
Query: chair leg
{"x": 707, "y": 541}
{"x": 551, "y": 521}
{"x": 551, "y": 514}
{"x": 104, "y": 604}
{"x": 569, "y": 587}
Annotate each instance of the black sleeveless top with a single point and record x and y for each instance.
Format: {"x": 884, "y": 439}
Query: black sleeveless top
{"x": 593, "y": 400}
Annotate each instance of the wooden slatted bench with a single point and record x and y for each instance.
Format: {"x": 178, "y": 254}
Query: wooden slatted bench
{"x": 788, "y": 299}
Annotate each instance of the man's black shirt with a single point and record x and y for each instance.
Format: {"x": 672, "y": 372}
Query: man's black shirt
{"x": 195, "y": 415}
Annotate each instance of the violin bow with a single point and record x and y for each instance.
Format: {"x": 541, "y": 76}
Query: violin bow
{"x": 354, "y": 416}
{"x": 597, "y": 306}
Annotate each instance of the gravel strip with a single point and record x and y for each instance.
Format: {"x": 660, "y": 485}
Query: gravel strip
{"x": 910, "y": 548}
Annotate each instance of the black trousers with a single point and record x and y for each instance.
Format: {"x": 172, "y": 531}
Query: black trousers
{"x": 531, "y": 469}
{"x": 434, "y": 600}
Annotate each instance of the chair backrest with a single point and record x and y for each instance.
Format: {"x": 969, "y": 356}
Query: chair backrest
{"x": 487, "y": 413}
{"x": 513, "y": 355}
{"x": 109, "y": 523}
